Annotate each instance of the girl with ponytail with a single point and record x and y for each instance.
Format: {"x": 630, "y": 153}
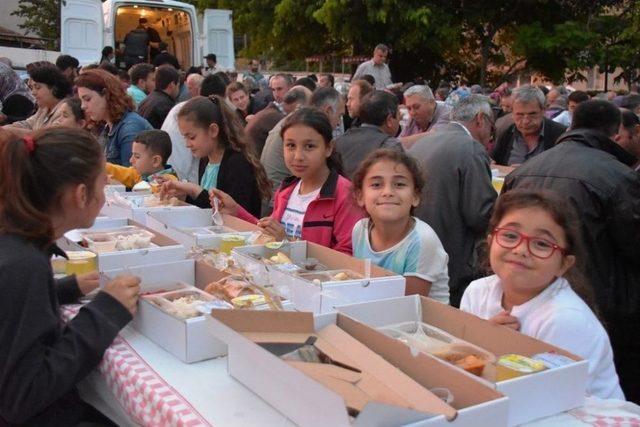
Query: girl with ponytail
{"x": 314, "y": 204}
{"x": 214, "y": 134}
{"x": 49, "y": 184}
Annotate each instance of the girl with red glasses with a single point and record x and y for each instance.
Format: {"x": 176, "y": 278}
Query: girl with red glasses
{"x": 537, "y": 287}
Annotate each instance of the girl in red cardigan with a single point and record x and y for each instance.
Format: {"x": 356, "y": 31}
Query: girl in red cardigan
{"x": 314, "y": 204}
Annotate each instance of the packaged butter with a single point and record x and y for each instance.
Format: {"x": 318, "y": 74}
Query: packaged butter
{"x": 513, "y": 365}
{"x": 553, "y": 360}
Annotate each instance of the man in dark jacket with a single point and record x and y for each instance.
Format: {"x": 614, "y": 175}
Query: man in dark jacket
{"x": 136, "y": 45}
{"x": 594, "y": 173}
{"x": 164, "y": 57}
{"x": 531, "y": 133}
{"x": 380, "y": 123}
{"x": 157, "y": 105}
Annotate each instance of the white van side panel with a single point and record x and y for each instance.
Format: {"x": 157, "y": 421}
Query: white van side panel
{"x": 218, "y": 35}
{"x": 81, "y": 29}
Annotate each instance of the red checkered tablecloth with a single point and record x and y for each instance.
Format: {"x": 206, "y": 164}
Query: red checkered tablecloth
{"x": 145, "y": 396}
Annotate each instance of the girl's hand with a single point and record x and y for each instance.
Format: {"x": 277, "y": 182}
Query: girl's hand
{"x": 179, "y": 189}
{"x": 226, "y": 203}
{"x": 125, "y": 289}
{"x": 506, "y": 319}
{"x": 272, "y": 227}
{"x": 88, "y": 282}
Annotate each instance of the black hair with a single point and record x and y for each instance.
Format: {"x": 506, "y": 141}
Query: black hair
{"x": 565, "y": 216}
{"x": 629, "y": 118}
{"x": 203, "y": 112}
{"x": 124, "y": 76}
{"x": 67, "y": 61}
{"x": 109, "y": 68}
{"x": 140, "y": 72}
{"x": 165, "y": 75}
{"x": 578, "y": 96}
{"x": 598, "y": 115}
{"x": 306, "y": 82}
{"x": 317, "y": 120}
{"x": 213, "y": 85}
{"x": 369, "y": 78}
{"x": 224, "y": 77}
{"x": 157, "y": 142}
{"x": 194, "y": 70}
{"x": 106, "y": 51}
{"x": 51, "y": 76}
{"x": 330, "y": 77}
{"x": 33, "y": 179}
{"x": 76, "y": 107}
{"x": 377, "y": 106}
{"x": 399, "y": 157}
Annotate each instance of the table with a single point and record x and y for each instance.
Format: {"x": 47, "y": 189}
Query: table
{"x": 208, "y": 396}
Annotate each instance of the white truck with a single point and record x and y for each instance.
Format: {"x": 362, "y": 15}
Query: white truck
{"x": 86, "y": 26}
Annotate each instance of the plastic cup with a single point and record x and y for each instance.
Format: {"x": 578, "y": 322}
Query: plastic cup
{"x": 231, "y": 241}
{"x": 81, "y": 262}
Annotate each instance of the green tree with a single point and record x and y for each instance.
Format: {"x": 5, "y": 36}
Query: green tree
{"x": 42, "y": 18}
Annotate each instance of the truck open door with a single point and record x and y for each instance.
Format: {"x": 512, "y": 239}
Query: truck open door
{"x": 217, "y": 31}
{"x": 81, "y": 29}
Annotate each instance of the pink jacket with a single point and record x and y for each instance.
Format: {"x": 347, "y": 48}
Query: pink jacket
{"x": 329, "y": 218}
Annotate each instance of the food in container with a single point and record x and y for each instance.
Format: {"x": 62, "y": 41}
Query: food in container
{"x": 230, "y": 241}
{"x": 141, "y": 187}
{"x": 280, "y": 258}
{"x": 553, "y": 360}
{"x": 514, "y": 365}
{"x": 180, "y": 304}
{"x": 248, "y": 301}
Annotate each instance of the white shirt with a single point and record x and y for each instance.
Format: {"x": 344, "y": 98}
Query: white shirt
{"x": 419, "y": 254}
{"x": 181, "y": 159}
{"x": 563, "y": 118}
{"x": 380, "y": 73}
{"x": 559, "y": 317}
{"x": 293, "y": 216}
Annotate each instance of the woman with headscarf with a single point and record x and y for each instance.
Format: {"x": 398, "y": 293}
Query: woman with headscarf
{"x": 15, "y": 97}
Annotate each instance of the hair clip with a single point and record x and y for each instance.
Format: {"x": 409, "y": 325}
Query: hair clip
{"x": 29, "y": 143}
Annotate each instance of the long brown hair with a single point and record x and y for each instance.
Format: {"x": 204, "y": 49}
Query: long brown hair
{"x": 108, "y": 86}
{"x": 563, "y": 214}
{"x": 34, "y": 173}
{"x": 203, "y": 111}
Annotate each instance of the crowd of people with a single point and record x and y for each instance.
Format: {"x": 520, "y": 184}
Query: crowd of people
{"x": 401, "y": 175}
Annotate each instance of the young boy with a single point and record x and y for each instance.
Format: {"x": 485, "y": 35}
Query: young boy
{"x": 149, "y": 154}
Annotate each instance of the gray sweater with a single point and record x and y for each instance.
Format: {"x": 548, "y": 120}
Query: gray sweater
{"x": 358, "y": 142}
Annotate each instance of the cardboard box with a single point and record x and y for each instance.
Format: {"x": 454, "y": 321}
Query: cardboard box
{"x": 181, "y": 226}
{"x": 164, "y": 249}
{"x": 253, "y": 360}
{"x": 139, "y": 214}
{"x": 530, "y": 397}
{"x": 189, "y": 340}
{"x": 319, "y": 298}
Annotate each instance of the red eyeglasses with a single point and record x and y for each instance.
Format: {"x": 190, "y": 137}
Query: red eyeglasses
{"x": 538, "y": 247}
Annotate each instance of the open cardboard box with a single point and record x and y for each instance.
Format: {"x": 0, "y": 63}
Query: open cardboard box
{"x": 531, "y": 396}
{"x": 163, "y": 249}
{"x": 139, "y": 214}
{"x": 318, "y": 396}
{"x": 189, "y": 339}
{"x": 324, "y": 297}
{"x": 176, "y": 224}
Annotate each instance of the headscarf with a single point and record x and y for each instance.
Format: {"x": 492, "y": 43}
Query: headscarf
{"x": 11, "y": 84}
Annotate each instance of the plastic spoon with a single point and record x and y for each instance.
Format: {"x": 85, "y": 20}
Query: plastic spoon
{"x": 216, "y": 216}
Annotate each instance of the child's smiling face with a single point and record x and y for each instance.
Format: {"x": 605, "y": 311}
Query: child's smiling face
{"x": 518, "y": 269}
{"x": 388, "y": 192}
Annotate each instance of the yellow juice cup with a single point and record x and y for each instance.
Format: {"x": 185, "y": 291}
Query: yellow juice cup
{"x": 231, "y": 241}
{"x": 81, "y": 262}
{"x": 497, "y": 182}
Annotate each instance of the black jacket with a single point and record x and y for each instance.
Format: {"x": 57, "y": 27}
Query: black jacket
{"x": 41, "y": 360}
{"x": 155, "y": 107}
{"x": 504, "y": 142}
{"x": 594, "y": 174}
{"x": 166, "y": 58}
{"x": 237, "y": 178}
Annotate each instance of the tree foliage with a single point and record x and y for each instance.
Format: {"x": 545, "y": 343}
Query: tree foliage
{"x": 478, "y": 41}
{"x": 41, "y": 18}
